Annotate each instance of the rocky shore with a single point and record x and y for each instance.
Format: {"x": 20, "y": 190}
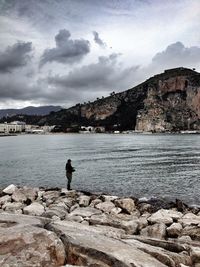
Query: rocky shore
{"x": 57, "y": 227}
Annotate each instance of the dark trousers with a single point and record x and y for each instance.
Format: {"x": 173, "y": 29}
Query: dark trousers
{"x": 69, "y": 179}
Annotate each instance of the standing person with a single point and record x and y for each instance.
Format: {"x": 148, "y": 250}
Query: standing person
{"x": 69, "y": 169}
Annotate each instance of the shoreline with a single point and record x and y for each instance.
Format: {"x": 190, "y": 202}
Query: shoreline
{"x": 89, "y": 229}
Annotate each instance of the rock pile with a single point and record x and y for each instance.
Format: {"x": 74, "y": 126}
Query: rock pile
{"x": 55, "y": 227}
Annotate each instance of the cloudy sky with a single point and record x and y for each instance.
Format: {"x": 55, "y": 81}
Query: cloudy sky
{"x": 63, "y": 52}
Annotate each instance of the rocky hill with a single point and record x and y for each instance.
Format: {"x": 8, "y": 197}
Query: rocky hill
{"x": 42, "y": 110}
{"x": 167, "y": 102}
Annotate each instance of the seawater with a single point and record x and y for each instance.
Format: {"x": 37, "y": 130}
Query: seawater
{"x": 137, "y": 165}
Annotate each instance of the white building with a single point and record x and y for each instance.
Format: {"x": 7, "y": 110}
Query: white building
{"x": 13, "y": 127}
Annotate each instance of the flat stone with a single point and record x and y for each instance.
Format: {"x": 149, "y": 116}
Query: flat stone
{"x": 157, "y": 230}
{"x": 86, "y": 211}
{"x": 22, "y": 219}
{"x": 106, "y": 206}
{"x": 129, "y": 225}
{"x": 10, "y": 189}
{"x": 101, "y": 250}
{"x": 189, "y": 219}
{"x": 108, "y": 198}
{"x": 165, "y": 216}
{"x": 126, "y": 204}
{"x": 166, "y": 256}
{"x": 51, "y": 195}
{"x": 115, "y": 211}
{"x": 13, "y": 206}
{"x": 75, "y": 218}
{"x": 34, "y": 208}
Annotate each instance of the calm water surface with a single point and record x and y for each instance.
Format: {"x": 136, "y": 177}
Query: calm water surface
{"x": 137, "y": 165}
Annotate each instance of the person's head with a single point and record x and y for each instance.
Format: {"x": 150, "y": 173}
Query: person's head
{"x": 69, "y": 161}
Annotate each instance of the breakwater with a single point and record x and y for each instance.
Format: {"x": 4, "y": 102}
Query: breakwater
{"x": 56, "y": 227}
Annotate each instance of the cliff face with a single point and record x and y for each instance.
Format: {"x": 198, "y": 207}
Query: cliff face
{"x": 166, "y": 102}
{"x": 169, "y": 101}
{"x": 172, "y": 104}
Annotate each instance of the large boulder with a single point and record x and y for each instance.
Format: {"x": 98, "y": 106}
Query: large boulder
{"x": 25, "y": 243}
{"x": 10, "y": 189}
{"x": 86, "y": 212}
{"x": 174, "y": 230}
{"x": 87, "y": 246}
{"x": 189, "y": 219}
{"x": 165, "y": 216}
{"x": 157, "y": 230}
{"x": 34, "y": 208}
{"x": 126, "y": 204}
{"x": 130, "y": 225}
{"x": 15, "y": 207}
{"x": 84, "y": 201}
{"x": 5, "y": 199}
{"x": 106, "y": 206}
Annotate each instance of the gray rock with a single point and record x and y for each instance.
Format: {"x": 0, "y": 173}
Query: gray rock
{"x": 75, "y": 218}
{"x": 192, "y": 231}
{"x": 15, "y": 207}
{"x": 167, "y": 255}
{"x": 157, "y": 230}
{"x": 75, "y": 206}
{"x": 106, "y": 207}
{"x": 195, "y": 254}
{"x": 5, "y": 199}
{"x": 115, "y": 211}
{"x": 95, "y": 202}
{"x": 84, "y": 201}
{"x": 101, "y": 250}
{"x": 51, "y": 196}
{"x": 185, "y": 238}
{"x": 142, "y": 222}
{"x": 174, "y": 230}
{"x": 10, "y": 189}
{"x": 126, "y": 204}
{"x": 165, "y": 216}
{"x": 189, "y": 219}
{"x": 108, "y": 198}
{"x": 19, "y": 196}
{"x": 29, "y": 246}
{"x": 34, "y": 208}
{"x": 85, "y": 212}
{"x": 129, "y": 225}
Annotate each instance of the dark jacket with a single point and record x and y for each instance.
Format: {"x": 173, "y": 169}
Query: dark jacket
{"x": 69, "y": 168}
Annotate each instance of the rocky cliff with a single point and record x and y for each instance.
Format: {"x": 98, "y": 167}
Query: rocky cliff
{"x": 169, "y": 101}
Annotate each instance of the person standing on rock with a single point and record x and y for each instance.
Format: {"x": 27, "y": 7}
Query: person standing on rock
{"x": 69, "y": 170}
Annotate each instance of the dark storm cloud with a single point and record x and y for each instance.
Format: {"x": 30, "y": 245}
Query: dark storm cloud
{"x": 98, "y": 40}
{"x": 15, "y": 56}
{"x": 66, "y": 50}
{"x": 105, "y": 75}
{"x": 177, "y": 54}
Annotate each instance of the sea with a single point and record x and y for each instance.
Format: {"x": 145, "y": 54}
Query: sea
{"x": 139, "y": 165}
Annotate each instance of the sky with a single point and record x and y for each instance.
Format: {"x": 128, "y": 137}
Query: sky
{"x": 64, "y": 52}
